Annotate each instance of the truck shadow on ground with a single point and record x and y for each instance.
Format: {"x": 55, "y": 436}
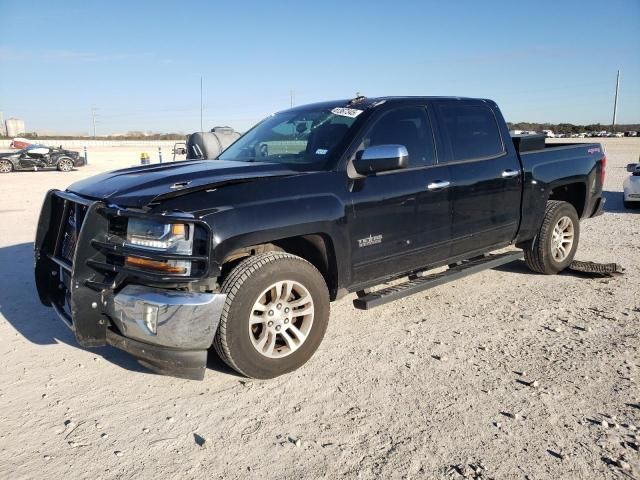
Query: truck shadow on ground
{"x": 615, "y": 203}
{"x": 21, "y": 307}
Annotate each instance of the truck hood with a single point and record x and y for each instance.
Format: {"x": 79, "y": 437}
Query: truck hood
{"x": 139, "y": 186}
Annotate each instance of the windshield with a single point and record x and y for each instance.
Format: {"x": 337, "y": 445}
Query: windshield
{"x": 305, "y": 139}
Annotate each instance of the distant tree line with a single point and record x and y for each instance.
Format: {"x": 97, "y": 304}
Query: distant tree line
{"x": 569, "y": 128}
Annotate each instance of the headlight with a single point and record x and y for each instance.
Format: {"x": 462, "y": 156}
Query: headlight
{"x": 167, "y": 237}
{"x": 176, "y": 238}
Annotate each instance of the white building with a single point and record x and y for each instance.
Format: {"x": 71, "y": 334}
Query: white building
{"x": 15, "y": 127}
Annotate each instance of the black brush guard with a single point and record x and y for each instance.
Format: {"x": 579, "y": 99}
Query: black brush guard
{"x": 75, "y": 274}
{"x": 63, "y": 283}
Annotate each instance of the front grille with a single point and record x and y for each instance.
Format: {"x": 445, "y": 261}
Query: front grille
{"x": 74, "y": 216}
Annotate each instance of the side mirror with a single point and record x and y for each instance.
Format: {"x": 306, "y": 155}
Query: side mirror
{"x": 381, "y": 158}
{"x": 631, "y": 167}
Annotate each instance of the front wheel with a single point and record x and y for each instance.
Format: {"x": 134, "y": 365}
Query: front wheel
{"x": 556, "y": 243}
{"x": 65, "y": 165}
{"x": 6, "y": 166}
{"x": 275, "y": 315}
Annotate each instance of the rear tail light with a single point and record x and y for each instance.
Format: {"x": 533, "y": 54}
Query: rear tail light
{"x": 603, "y": 165}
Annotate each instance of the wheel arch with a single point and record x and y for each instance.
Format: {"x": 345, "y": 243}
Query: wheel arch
{"x": 574, "y": 193}
{"x": 317, "y": 248}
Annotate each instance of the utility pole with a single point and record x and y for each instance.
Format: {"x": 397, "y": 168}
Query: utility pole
{"x": 201, "y": 107}
{"x": 615, "y": 104}
{"x": 94, "y": 112}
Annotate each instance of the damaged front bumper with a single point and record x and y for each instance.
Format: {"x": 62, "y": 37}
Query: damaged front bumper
{"x": 168, "y": 330}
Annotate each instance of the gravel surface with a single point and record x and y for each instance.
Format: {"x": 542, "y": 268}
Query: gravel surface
{"x": 505, "y": 374}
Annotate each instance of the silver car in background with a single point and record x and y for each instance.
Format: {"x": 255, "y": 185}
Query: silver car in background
{"x": 631, "y": 186}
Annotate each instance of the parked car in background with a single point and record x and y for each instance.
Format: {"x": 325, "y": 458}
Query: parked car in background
{"x": 631, "y": 186}
{"x": 36, "y": 157}
{"x": 20, "y": 143}
{"x": 548, "y": 133}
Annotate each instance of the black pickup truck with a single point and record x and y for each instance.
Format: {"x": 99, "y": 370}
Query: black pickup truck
{"x": 244, "y": 254}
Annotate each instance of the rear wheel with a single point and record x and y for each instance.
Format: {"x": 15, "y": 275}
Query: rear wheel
{"x": 556, "y": 243}
{"x": 275, "y": 316}
{"x": 6, "y": 166}
{"x": 65, "y": 165}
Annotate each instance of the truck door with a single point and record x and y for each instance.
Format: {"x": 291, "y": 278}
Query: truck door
{"x": 485, "y": 175}
{"x": 401, "y": 219}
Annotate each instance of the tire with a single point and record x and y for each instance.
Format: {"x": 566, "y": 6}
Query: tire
{"x": 631, "y": 205}
{"x": 6, "y": 166}
{"x": 65, "y": 164}
{"x": 253, "y": 283}
{"x": 540, "y": 255}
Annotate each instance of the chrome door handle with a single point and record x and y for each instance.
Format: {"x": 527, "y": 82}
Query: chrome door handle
{"x": 510, "y": 173}
{"x": 439, "y": 185}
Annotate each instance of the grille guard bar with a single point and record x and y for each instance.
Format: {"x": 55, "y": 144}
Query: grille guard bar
{"x": 84, "y": 297}
{"x": 85, "y": 304}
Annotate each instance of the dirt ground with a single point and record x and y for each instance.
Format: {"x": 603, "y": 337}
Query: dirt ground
{"x": 505, "y": 374}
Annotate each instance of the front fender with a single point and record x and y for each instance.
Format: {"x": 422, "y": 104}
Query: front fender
{"x": 272, "y": 209}
{"x": 14, "y": 161}
{"x": 266, "y": 222}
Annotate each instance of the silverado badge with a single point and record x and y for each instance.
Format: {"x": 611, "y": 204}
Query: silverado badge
{"x": 370, "y": 240}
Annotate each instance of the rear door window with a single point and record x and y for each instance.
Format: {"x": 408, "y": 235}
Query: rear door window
{"x": 471, "y": 131}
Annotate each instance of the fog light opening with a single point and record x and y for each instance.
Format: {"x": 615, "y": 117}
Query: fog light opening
{"x": 150, "y": 318}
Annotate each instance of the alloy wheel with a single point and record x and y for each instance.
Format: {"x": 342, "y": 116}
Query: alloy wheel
{"x": 562, "y": 239}
{"x": 281, "y": 319}
{"x": 5, "y": 166}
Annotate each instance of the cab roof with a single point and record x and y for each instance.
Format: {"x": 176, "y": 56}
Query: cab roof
{"x": 365, "y": 103}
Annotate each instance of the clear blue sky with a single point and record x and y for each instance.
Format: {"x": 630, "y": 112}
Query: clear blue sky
{"x": 139, "y": 62}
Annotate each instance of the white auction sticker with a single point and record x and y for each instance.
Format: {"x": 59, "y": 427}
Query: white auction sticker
{"x": 346, "y": 112}
{"x": 321, "y": 151}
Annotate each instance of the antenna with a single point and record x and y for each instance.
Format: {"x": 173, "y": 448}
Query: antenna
{"x": 291, "y": 98}
{"x": 615, "y": 104}
{"x": 201, "y": 107}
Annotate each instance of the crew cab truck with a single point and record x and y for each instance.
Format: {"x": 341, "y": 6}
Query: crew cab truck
{"x": 245, "y": 253}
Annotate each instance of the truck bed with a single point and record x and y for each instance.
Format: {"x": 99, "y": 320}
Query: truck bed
{"x": 564, "y": 168}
